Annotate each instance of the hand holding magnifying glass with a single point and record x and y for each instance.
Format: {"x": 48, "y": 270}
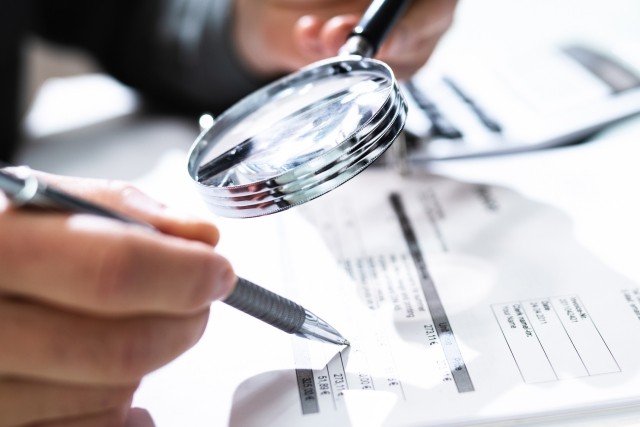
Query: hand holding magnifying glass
{"x": 306, "y": 133}
{"x": 276, "y": 37}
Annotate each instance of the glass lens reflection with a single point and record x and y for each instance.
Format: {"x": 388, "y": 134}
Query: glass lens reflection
{"x": 302, "y": 124}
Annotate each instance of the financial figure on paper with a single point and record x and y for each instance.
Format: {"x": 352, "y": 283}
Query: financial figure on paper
{"x": 88, "y": 306}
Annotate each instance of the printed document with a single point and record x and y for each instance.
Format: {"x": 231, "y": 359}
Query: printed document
{"x": 464, "y": 304}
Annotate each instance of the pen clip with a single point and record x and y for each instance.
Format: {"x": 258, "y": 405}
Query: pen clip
{"x": 20, "y": 188}
{"x": 28, "y": 191}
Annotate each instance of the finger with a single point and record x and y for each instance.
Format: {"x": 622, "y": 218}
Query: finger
{"x": 335, "y": 32}
{"x": 59, "y": 346}
{"x": 98, "y": 265}
{"x": 409, "y": 44}
{"x": 110, "y": 418}
{"x": 404, "y": 67}
{"x": 139, "y": 417}
{"x": 405, "y": 57}
{"x": 306, "y": 36}
{"x": 423, "y": 21}
{"x": 26, "y": 401}
{"x": 130, "y": 201}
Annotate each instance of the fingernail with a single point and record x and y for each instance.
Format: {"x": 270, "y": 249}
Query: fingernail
{"x": 143, "y": 203}
{"x": 226, "y": 280}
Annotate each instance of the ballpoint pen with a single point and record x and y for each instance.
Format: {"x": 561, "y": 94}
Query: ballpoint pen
{"x": 25, "y": 190}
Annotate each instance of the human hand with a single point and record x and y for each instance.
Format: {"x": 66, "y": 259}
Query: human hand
{"x": 89, "y": 305}
{"x": 279, "y": 36}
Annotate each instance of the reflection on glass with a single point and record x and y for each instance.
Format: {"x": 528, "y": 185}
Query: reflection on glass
{"x": 305, "y": 123}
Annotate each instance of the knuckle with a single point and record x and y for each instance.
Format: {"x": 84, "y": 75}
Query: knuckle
{"x": 126, "y": 195}
{"x": 122, "y": 189}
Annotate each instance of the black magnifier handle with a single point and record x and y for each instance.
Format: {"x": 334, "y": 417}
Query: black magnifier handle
{"x": 377, "y": 21}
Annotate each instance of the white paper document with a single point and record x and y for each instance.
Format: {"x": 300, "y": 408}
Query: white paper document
{"x": 464, "y": 304}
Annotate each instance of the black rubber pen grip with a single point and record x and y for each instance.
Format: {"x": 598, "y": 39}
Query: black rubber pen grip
{"x": 266, "y": 306}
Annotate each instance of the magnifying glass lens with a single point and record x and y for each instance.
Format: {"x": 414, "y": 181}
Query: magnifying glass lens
{"x": 304, "y": 122}
{"x": 298, "y": 138}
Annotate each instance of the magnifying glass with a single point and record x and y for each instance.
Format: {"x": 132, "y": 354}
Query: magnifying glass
{"x": 307, "y": 133}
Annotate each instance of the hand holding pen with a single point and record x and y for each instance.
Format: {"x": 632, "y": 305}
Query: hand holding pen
{"x": 246, "y": 296}
{"x": 91, "y": 305}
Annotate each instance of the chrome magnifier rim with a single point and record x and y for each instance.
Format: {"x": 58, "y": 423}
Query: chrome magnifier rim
{"x": 314, "y": 176}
